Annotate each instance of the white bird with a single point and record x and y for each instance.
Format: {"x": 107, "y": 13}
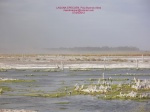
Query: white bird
{"x": 77, "y": 87}
{"x": 81, "y": 87}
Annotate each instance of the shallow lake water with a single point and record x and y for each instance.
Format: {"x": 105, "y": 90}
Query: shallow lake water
{"x": 52, "y": 81}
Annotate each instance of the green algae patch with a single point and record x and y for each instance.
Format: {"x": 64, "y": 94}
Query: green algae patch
{"x": 3, "y": 70}
{"x": 49, "y": 95}
{"x": 122, "y": 79}
{"x": 63, "y": 108}
{"x": 4, "y": 89}
{"x": 16, "y": 81}
{"x": 20, "y": 69}
{"x": 80, "y": 69}
{"x": 30, "y": 75}
{"x": 63, "y": 103}
{"x": 61, "y": 92}
{"x": 47, "y": 70}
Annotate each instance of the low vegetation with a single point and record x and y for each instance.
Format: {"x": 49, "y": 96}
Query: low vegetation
{"x": 4, "y": 89}
{"x": 3, "y": 70}
{"x": 16, "y": 81}
{"x": 47, "y": 70}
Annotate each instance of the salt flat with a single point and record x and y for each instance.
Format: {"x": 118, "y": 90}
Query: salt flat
{"x": 72, "y": 61}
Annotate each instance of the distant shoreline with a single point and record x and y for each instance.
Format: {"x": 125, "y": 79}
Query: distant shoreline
{"x": 81, "y": 53}
{"x": 73, "y": 61}
{"x": 105, "y": 50}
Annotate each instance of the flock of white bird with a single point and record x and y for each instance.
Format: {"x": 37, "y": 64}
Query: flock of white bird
{"x": 131, "y": 94}
{"x": 106, "y": 87}
{"x": 92, "y": 88}
{"x": 141, "y": 84}
{"x": 138, "y": 85}
{"x": 103, "y": 88}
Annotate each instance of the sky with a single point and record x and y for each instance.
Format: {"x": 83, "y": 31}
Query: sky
{"x": 28, "y": 25}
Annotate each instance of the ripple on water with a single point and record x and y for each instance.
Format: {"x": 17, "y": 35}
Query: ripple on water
{"x": 53, "y": 81}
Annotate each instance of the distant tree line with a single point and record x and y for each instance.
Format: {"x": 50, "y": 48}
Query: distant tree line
{"x": 105, "y": 48}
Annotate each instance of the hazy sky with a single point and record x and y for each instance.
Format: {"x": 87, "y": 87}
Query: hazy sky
{"x": 32, "y": 24}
